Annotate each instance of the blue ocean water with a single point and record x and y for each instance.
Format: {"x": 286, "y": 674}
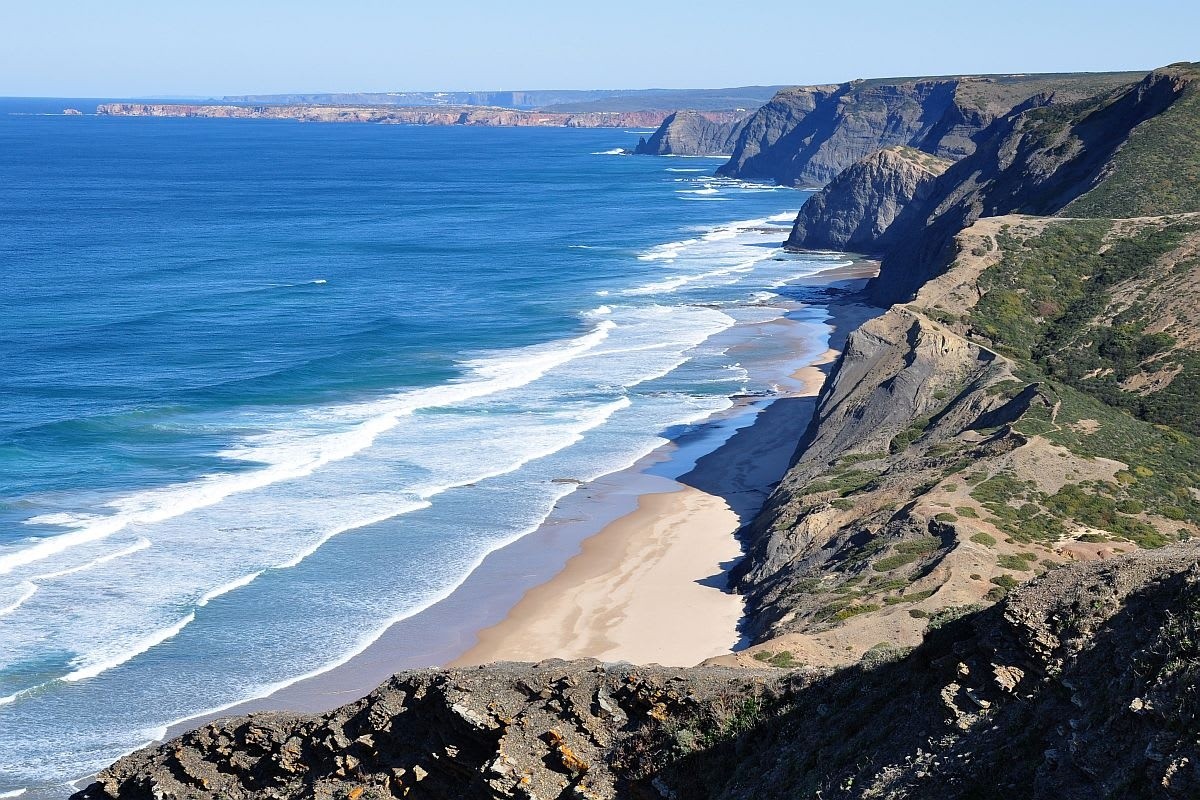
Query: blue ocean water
{"x": 269, "y": 386}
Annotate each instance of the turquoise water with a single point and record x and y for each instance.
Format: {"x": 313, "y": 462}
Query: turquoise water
{"x": 270, "y": 386}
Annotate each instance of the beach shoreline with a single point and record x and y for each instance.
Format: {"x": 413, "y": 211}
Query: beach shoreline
{"x": 598, "y": 533}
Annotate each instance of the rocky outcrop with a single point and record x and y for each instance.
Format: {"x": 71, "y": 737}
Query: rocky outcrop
{"x": 807, "y": 135}
{"x": 852, "y": 212}
{"x": 399, "y": 115}
{"x": 690, "y": 133}
{"x": 1079, "y": 686}
{"x": 1033, "y": 161}
{"x": 555, "y": 729}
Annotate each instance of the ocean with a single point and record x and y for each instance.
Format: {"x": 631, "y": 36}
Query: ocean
{"x": 269, "y": 387}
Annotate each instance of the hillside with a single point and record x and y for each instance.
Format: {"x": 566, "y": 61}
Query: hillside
{"x": 1042, "y": 160}
{"x": 806, "y": 135}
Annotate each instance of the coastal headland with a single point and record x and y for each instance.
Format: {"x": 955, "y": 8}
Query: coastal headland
{"x": 417, "y": 115}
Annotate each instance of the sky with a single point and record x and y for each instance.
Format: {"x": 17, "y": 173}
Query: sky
{"x": 210, "y": 48}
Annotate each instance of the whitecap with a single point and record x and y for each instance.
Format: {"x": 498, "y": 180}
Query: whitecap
{"x": 224, "y": 589}
{"x": 140, "y": 544}
{"x": 28, "y": 590}
{"x": 287, "y": 456}
{"x": 85, "y": 669}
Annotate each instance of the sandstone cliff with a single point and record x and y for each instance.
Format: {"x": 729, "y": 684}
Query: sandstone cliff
{"x": 807, "y": 135}
{"x": 853, "y": 211}
{"x": 690, "y": 133}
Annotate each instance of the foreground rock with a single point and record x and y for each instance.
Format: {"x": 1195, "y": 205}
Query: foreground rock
{"x": 1080, "y": 686}
{"x": 556, "y": 729}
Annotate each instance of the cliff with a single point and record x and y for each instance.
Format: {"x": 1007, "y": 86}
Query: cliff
{"x": 689, "y": 133}
{"x": 853, "y": 211}
{"x": 398, "y": 115}
{"x": 1041, "y": 160}
{"x": 806, "y": 135}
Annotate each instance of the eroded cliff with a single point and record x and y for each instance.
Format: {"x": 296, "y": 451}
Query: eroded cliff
{"x": 690, "y": 133}
{"x": 855, "y": 209}
{"x": 806, "y": 135}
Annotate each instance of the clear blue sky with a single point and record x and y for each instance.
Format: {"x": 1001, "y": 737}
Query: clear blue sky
{"x": 123, "y": 48}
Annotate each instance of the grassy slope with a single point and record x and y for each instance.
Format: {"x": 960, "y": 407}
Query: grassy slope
{"x": 1158, "y": 170}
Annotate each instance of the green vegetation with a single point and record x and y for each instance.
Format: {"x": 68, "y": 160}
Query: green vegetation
{"x": 946, "y": 516}
{"x": 1003, "y": 585}
{"x": 783, "y": 659}
{"x": 1157, "y": 170}
{"x": 1021, "y": 562}
{"x": 944, "y": 616}
{"x": 855, "y": 610}
{"x": 844, "y": 482}
{"x": 985, "y": 539}
{"x": 908, "y": 435}
{"x": 912, "y": 597}
{"x": 907, "y": 552}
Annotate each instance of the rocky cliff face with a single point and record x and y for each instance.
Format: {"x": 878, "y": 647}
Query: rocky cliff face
{"x": 807, "y": 135}
{"x": 852, "y": 212}
{"x": 1033, "y": 161}
{"x": 689, "y": 133}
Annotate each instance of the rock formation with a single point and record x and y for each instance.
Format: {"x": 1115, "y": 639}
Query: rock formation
{"x": 852, "y": 212}
{"x": 1033, "y": 161}
{"x": 690, "y": 133}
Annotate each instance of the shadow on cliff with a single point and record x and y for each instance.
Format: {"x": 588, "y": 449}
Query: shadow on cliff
{"x": 983, "y": 710}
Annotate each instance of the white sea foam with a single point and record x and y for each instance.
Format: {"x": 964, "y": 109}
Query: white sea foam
{"x": 288, "y": 457}
{"x": 141, "y": 544}
{"x": 13, "y": 793}
{"x": 616, "y": 151}
{"x": 91, "y": 667}
{"x": 684, "y": 169}
{"x": 236, "y": 583}
{"x": 28, "y": 590}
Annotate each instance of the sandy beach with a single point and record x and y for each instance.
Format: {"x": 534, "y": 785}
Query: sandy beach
{"x": 651, "y": 587}
{"x": 632, "y": 566}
